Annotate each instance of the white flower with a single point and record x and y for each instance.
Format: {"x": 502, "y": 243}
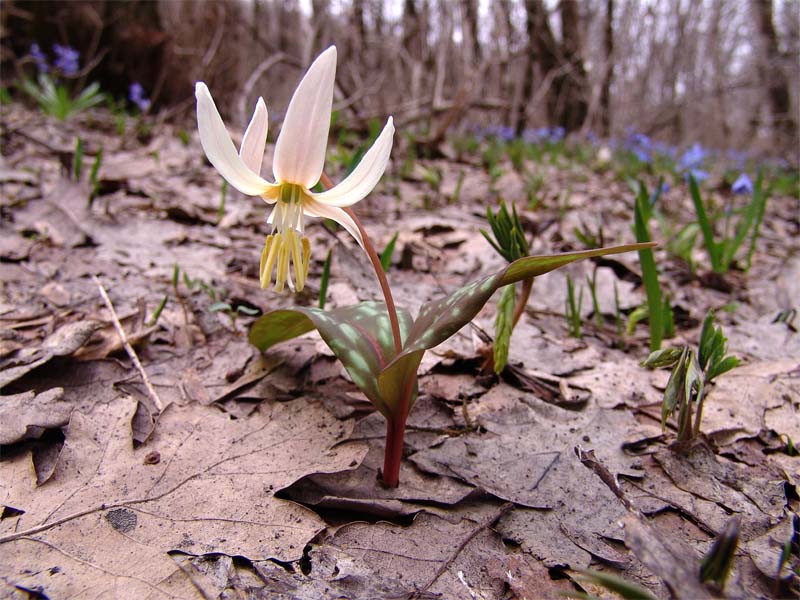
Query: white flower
{"x": 297, "y": 166}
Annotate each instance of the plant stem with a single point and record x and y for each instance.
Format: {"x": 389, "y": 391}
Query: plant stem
{"x": 525, "y": 293}
{"x": 395, "y": 432}
{"x": 379, "y": 272}
{"x": 698, "y": 415}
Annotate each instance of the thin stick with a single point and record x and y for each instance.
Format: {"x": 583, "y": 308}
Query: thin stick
{"x": 376, "y": 264}
{"x": 483, "y": 525}
{"x": 128, "y": 348}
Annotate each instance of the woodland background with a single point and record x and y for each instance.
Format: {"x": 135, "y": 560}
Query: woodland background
{"x": 718, "y": 72}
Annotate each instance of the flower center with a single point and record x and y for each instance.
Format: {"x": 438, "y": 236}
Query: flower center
{"x": 288, "y": 244}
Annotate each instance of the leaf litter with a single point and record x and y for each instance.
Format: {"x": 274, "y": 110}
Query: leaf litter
{"x": 261, "y": 472}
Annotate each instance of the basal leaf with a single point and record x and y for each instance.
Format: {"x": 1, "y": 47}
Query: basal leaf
{"x": 442, "y": 318}
{"x": 360, "y": 336}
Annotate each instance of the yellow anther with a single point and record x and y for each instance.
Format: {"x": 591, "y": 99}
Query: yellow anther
{"x": 268, "y": 260}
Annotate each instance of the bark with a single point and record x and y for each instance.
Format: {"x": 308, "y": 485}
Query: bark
{"x": 774, "y": 78}
{"x": 471, "y": 16}
{"x": 605, "y": 93}
{"x": 572, "y": 86}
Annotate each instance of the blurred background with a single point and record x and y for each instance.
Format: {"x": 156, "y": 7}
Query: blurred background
{"x": 723, "y": 73}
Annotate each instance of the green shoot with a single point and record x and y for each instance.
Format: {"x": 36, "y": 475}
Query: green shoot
{"x": 386, "y": 255}
{"x": 509, "y": 237}
{"x": 55, "y": 100}
{"x": 722, "y": 253}
{"x": 692, "y": 372}
{"x": 572, "y": 309}
{"x": 592, "y": 282}
{"x": 617, "y": 585}
{"x": 457, "y": 190}
{"x": 157, "y": 313}
{"x": 98, "y": 159}
{"x": 655, "y": 317}
{"x": 717, "y": 563}
{"x": 503, "y": 326}
{"x": 323, "y": 282}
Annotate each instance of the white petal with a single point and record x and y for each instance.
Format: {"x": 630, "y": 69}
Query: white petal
{"x": 365, "y": 176}
{"x": 300, "y": 149}
{"x": 219, "y": 148}
{"x": 314, "y": 209}
{"x": 255, "y": 138}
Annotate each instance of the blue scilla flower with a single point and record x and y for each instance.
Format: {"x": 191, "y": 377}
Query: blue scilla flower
{"x": 742, "y": 185}
{"x": 504, "y": 132}
{"x": 39, "y": 58}
{"x": 693, "y": 158}
{"x": 556, "y": 134}
{"x": 67, "y": 59}
{"x": 136, "y": 94}
{"x": 698, "y": 174}
{"x": 640, "y": 145}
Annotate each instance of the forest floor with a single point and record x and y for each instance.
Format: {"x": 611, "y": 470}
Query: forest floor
{"x": 238, "y": 474}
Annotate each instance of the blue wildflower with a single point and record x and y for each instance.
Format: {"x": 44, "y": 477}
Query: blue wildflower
{"x": 742, "y": 185}
{"x": 698, "y": 174}
{"x": 640, "y": 145}
{"x": 39, "y": 58}
{"x": 557, "y": 134}
{"x": 693, "y": 158}
{"x": 504, "y": 132}
{"x": 67, "y": 59}
{"x": 137, "y": 95}
{"x": 664, "y": 188}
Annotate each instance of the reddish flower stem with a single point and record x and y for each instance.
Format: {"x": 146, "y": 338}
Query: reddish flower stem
{"x": 379, "y": 272}
{"x": 396, "y": 424}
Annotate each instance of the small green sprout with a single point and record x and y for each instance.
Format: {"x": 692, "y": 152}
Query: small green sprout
{"x": 508, "y": 239}
{"x": 323, "y": 282}
{"x": 386, "y": 255}
{"x": 56, "y": 101}
{"x": 692, "y": 372}
{"x": 717, "y": 563}
{"x": 572, "y": 309}
{"x": 617, "y": 585}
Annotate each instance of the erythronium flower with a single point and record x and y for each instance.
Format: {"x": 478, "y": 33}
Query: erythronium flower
{"x": 297, "y": 166}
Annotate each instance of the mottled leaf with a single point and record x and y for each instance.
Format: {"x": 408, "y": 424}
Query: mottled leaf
{"x": 440, "y": 319}
{"x": 360, "y": 336}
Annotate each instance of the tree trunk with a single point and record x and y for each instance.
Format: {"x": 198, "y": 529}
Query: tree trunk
{"x": 572, "y": 85}
{"x": 774, "y": 78}
{"x": 608, "y": 76}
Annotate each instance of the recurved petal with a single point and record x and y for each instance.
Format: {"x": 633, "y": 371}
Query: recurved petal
{"x": 255, "y": 138}
{"x": 315, "y": 209}
{"x": 219, "y": 148}
{"x": 300, "y": 149}
{"x": 365, "y": 176}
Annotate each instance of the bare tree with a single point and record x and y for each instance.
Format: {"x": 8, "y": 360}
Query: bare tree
{"x": 774, "y": 77}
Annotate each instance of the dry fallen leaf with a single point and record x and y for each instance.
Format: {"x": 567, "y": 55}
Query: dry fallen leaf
{"x": 107, "y": 518}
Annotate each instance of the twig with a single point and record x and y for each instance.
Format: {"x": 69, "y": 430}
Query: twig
{"x": 128, "y": 348}
{"x": 591, "y": 462}
{"x": 487, "y": 522}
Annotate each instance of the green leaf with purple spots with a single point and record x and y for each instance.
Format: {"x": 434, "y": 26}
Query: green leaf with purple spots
{"x": 360, "y": 336}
